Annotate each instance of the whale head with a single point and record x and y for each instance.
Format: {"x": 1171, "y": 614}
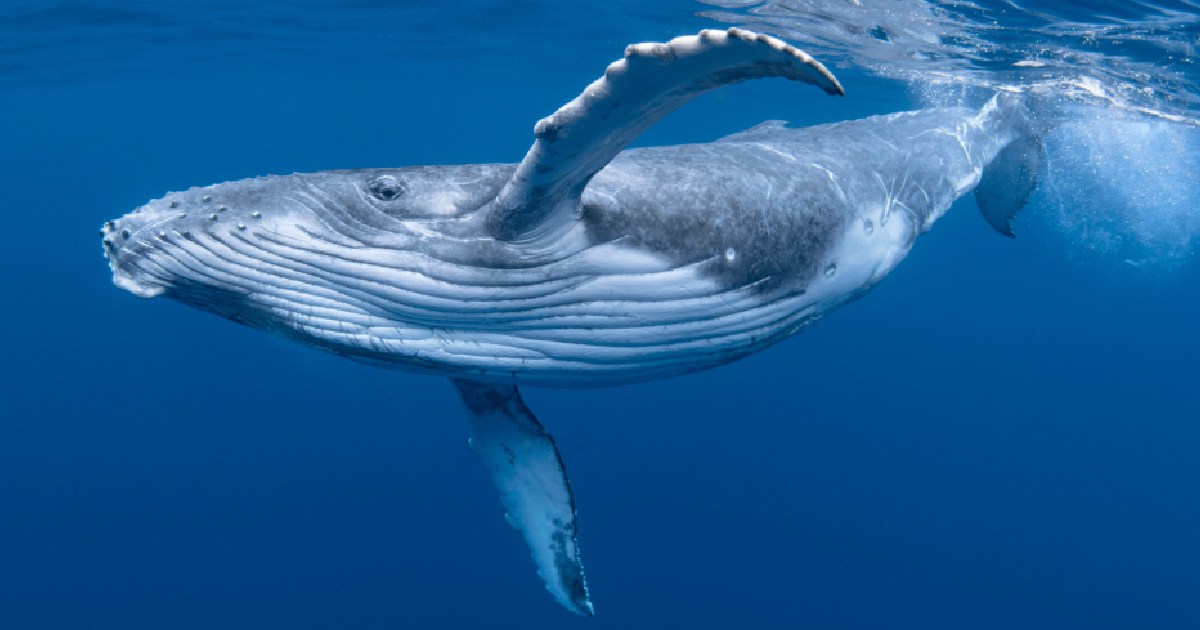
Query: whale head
{"x": 282, "y": 252}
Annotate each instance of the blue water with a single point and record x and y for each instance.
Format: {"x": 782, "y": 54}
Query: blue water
{"x": 1004, "y": 434}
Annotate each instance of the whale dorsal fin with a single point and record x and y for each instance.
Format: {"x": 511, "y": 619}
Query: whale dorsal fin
{"x": 765, "y": 128}
{"x": 575, "y": 142}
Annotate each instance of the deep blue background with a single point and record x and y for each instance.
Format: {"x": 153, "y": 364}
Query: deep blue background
{"x": 996, "y": 437}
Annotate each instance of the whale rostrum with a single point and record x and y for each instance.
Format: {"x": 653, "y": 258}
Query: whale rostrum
{"x": 586, "y": 264}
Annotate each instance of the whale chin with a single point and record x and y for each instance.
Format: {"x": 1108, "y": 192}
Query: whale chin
{"x": 135, "y": 286}
{"x": 128, "y": 273}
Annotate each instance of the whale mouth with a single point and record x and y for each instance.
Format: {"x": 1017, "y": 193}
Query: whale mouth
{"x": 124, "y": 248}
{"x": 134, "y": 284}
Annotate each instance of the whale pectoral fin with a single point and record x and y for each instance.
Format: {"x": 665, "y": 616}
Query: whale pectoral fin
{"x": 575, "y": 142}
{"x": 1008, "y": 182}
{"x": 525, "y": 465}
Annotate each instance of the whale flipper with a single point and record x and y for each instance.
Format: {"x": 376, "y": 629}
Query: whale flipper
{"x": 525, "y": 465}
{"x": 575, "y": 142}
{"x": 1008, "y": 182}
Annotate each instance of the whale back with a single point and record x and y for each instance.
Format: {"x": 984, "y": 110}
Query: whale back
{"x": 768, "y": 205}
{"x": 649, "y": 82}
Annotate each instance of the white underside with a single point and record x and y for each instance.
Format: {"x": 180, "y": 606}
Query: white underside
{"x": 609, "y": 313}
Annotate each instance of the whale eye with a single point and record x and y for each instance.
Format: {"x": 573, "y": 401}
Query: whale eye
{"x": 386, "y": 187}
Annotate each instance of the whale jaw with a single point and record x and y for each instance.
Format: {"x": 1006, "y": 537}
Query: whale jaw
{"x": 128, "y": 282}
{"x": 123, "y": 261}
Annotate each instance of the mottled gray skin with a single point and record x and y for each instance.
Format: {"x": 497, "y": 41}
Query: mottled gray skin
{"x": 763, "y": 212}
{"x": 767, "y": 193}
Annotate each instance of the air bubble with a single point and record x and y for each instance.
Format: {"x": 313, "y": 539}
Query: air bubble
{"x": 868, "y": 227}
{"x": 730, "y": 255}
{"x": 830, "y": 270}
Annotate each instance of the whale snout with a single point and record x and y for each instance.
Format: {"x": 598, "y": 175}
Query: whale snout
{"x": 158, "y": 246}
{"x": 129, "y": 246}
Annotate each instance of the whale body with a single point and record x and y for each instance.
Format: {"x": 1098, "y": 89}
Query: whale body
{"x": 585, "y": 264}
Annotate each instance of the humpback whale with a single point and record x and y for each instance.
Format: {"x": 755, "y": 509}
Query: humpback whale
{"x": 586, "y": 264}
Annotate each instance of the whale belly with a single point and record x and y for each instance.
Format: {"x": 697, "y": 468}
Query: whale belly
{"x": 608, "y": 315}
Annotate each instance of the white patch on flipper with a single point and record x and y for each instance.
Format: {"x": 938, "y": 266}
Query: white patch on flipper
{"x": 527, "y": 469}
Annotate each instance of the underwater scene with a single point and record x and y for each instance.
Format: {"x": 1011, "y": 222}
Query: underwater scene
{"x": 536, "y": 314}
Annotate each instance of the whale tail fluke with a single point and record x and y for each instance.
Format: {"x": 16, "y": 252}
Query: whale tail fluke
{"x": 1012, "y": 176}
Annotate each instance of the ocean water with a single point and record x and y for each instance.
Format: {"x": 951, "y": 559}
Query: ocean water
{"x": 1003, "y": 434}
